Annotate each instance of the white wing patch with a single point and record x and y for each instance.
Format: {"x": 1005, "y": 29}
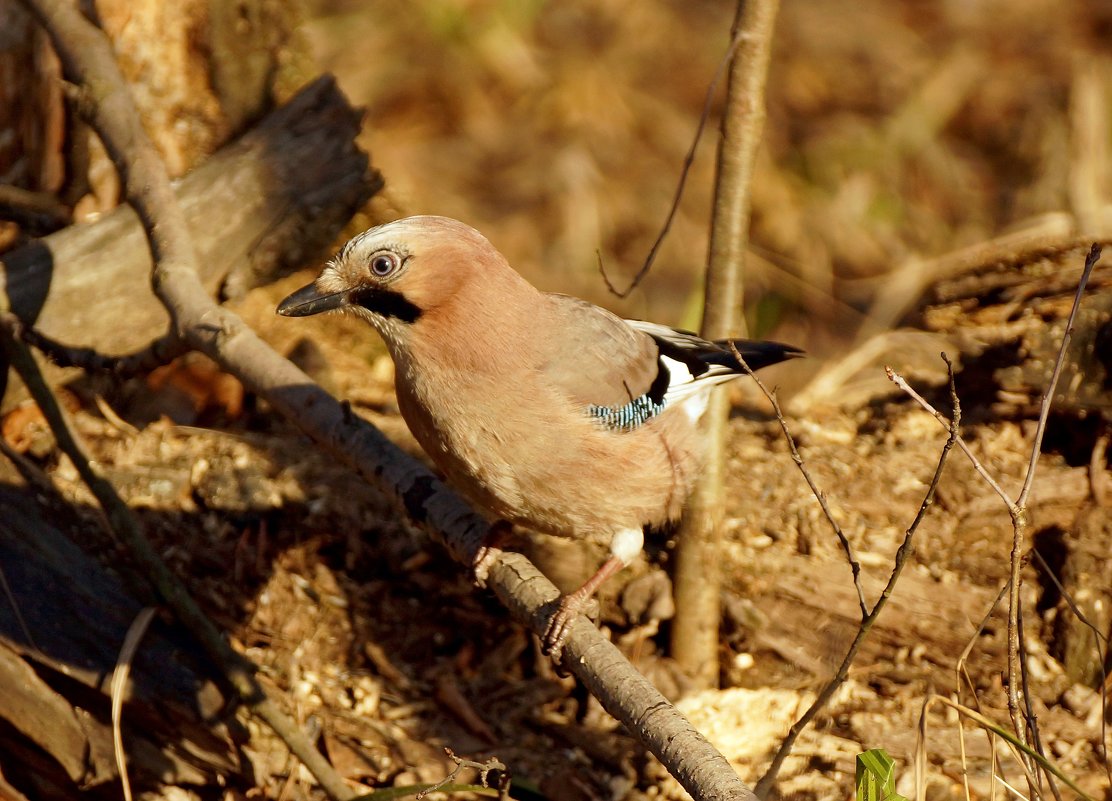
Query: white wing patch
{"x": 683, "y": 384}
{"x": 690, "y": 374}
{"x": 692, "y": 390}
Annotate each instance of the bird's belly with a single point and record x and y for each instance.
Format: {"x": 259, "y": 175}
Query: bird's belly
{"x": 559, "y": 473}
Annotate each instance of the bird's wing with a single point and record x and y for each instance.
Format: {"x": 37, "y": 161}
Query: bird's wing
{"x": 697, "y": 364}
{"x": 596, "y": 358}
{"x": 624, "y": 372}
{"x": 693, "y": 363}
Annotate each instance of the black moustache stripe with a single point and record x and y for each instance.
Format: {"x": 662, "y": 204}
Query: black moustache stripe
{"x": 386, "y": 303}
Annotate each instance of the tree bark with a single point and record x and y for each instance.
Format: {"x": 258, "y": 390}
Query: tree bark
{"x": 698, "y": 582}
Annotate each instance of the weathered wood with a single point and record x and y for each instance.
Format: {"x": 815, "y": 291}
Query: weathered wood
{"x": 812, "y": 614}
{"x": 62, "y": 622}
{"x": 271, "y": 201}
{"x": 1008, "y": 317}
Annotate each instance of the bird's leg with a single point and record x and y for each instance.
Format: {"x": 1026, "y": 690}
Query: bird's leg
{"x": 500, "y": 533}
{"x": 624, "y": 547}
{"x": 559, "y": 625}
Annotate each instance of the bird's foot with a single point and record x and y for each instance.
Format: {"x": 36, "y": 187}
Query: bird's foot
{"x": 499, "y": 534}
{"x": 559, "y": 625}
{"x": 480, "y": 566}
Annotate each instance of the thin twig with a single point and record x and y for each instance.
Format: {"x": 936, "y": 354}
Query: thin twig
{"x": 1048, "y": 397}
{"x": 764, "y": 786}
{"x": 959, "y": 667}
{"x": 484, "y": 769}
{"x": 130, "y": 645}
{"x": 688, "y": 160}
{"x": 854, "y": 565}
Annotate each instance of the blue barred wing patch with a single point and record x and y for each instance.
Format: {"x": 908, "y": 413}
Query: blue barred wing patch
{"x": 628, "y": 417}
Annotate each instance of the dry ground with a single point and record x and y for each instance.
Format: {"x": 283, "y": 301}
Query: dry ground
{"x": 897, "y": 133}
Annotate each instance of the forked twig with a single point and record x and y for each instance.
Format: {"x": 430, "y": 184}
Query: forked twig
{"x": 1018, "y": 510}
{"x": 766, "y": 782}
{"x": 484, "y": 769}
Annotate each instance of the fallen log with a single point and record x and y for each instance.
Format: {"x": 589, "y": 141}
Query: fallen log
{"x": 61, "y": 627}
{"x": 271, "y": 201}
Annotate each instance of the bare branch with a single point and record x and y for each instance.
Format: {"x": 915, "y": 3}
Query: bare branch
{"x": 160, "y": 351}
{"x": 766, "y": 782}
{"x": 1048, "y": 396}
{"x": 87, "y": 60}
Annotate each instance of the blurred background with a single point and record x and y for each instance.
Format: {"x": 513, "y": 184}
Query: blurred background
{"x": 896, "y": 132}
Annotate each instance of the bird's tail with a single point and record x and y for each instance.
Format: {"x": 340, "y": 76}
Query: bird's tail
{"x": 757, "y": 354}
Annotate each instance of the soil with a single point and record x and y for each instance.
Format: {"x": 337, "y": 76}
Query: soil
{"x": 370, "y": 635}
{"x": 907, "y": 144}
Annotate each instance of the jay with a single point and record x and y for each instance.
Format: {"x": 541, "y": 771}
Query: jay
{"x": 542, "y": 409}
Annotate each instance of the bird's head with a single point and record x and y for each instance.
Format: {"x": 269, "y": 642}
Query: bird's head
{"x": 396, "y": 274}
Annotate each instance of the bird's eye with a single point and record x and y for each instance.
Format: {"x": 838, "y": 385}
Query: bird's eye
{"x": 382, "y": 264}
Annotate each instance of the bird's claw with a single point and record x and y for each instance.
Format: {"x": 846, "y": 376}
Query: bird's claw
{"x": 499, "y": 534}
{"x": 481, "y": 564}
{"x": 560, "y": 624}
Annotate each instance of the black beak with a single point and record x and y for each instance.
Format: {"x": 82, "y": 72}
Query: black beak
{"x": 308, "y": 300}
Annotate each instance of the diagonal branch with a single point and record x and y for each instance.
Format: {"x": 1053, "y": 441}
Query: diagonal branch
{"x": 1048, "y": 396}
{"x": 685, "y": 170}
{"x": 768, "y": 780}
{"x": 843, "y": 540}
{"x": 88, "y": 61}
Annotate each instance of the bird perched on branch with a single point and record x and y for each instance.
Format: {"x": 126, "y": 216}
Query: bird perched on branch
{"x": 542, "y": 409}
